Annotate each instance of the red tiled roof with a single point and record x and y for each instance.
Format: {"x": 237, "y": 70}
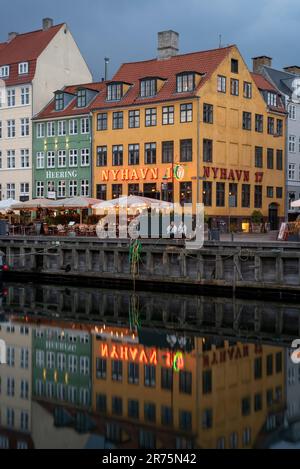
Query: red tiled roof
{"x": 25, "y": 47}
{"x": 49, "y": 111}
{"x": 264, "y": 85}
{"x": 204, "y": 62}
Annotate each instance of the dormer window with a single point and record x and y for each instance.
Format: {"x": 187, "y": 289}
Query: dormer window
{"x": 272, "y": 99}
{"x": 148, "y": 87}
{"x": 4, "y": 71}
{"x": 185, "y": 82}
{"x": 23, "y": 68}
{"x": 59, "y": 102}
{"x": 114, "y": 91}
{"x": 81, "y": 98}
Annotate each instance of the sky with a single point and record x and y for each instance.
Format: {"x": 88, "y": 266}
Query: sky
{"x": 126, "y": 30}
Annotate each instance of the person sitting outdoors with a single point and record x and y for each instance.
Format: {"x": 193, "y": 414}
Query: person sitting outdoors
{"x": 172, "y": 230}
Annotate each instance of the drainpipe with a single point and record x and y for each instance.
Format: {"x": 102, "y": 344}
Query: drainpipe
{"x": 198, "y": 149}
{"x": 92, "y": 155}
{"x": 286, "y": 168}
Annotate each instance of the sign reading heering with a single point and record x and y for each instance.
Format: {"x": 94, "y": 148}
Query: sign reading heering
{"x": 61, "y": 174}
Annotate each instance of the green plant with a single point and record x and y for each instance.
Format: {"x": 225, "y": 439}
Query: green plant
{"x": 257, "y": 217}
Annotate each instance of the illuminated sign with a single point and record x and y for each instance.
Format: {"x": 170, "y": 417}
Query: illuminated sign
{"x": 179, "y": 172}
{"x": 141, "y": 355}
{"x": 136, "y": 174}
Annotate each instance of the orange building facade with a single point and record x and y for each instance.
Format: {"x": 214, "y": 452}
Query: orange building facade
{"x": 192, "y": 128}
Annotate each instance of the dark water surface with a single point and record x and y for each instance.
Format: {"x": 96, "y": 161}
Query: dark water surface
{"x": 100, "y": 368}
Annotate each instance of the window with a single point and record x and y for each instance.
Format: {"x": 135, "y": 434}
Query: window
{"x": 134, "y": 119}
{"x": 166, "y": 415}
{"x": 118, "y": 120}
{"x": 133, "y": 154}
{"x": 233, "y": 440}
{"x": 85, "y": 188}
{"x": 234, "y": 87}
{"x": 150, "y": 375}
{"x": 59, "y": 101}
{"x": 246, "y": 406}
{"x": 269, "y": 364}
{"x": 207, "y": 150}
{"x": 207, "y": 193}
{"x": 25, "y": 127}
{"x": 117, "y": 405}
{"x": 101, "y": 403}
{"x": 150, "y": 153}
{"x": 10, "y": 191}
{"x": 279, "y": 127}
{"x": 133, "y": 189}
{"x": 166, "y": 378}
{"x": 50, "y": 129}
{"x": 116, "y": 191}
{"x": 270, "y": 192}
{"x": 271, "y": 125}
{"x": 39, "y": 189}
{"x": 84, "y": 365}
{"x": 221, "y": 444}
{"x": 207, "y": 419}
{"x": 221, "y": 84}
{"x": 270, "y": 158}
{"x": 0, "y": 129}
{"x": 292, "y": 144}
{"x": 269, "y": 397}
{"x": 24, "y": 357}
{"x": 61, "y": 189}
{"x": 73, "y": 127}
{"x": 258, "y": 157}
{"x": 234, "y": 66}
{"x": 10, "y": 417}
{"x": 85, "y": 157}
{"x": 247, "y": 90}
{"x": 258, "y": 368}
{"x": 186, "y": 150}
{"x": 279, "y": 160}
{"x": 258, "y": 196}
{"x": 186, "y": 113}
{"x": 150, "y": 117}
{"x": 207, "y": 382}
{"x": 101, "y": 191}
{"x": 208, "y": 113}
{"x": 185, "y": 420}
{"x": 85, "y": 125}
{"x": 117, "y": 370}
{"x": 167, "y": 152}
{"x": 102, "y": 121}
{"x": 259, "y": 123}
{"x": 102, "y": 156}
{"x": 247, "y": 120}
{"x": 24, "y": 389}
{"x": 61, "y": 128}
{"x": 292, "y": 171}
{"x": 40, "y": 358}
{"x": 133, "y": 409}
{"x": 292, "y": 111}
{"x": 279, "y": 192}
{"x": 40, "y": 132}
{"x": 117, "y": 154}
{"x": 149, "y": 412}
{"x": 272, "y": 99}
{"x": 81, "y": 98}
{"x": 11, "y": 159}
{"x": 185, "y": 82}
{"x": 50, "y": 360}
{"x": 185, "y": 193}
{"x": 25, "y": 158}
{"x": 185, "y": 382}
{"x": 10, "y": 387}
{"x": 73, "y": 188}
{"x": 233, "y": 194}
{"x": 148, "y": 87}
{"x": 168, "y": 115}
{"x": 257, "y": 402}
{"x": 11, "y": 98}
{"x": 25, "y": 96}
{"x": 50, "y": 187}
{"x": 73, "y": 158}
{"x": 24, "y": 190}
{"x": 114, "y": 91}
{"x": 278, "y": 362}
{"x": 23, "y": 68}
{"x": 61, "y": 158}
{"x": 51, "y": 159}
{"x": 220, "y": 194}
{"x": 4, "y": 71}
{"x": 133, "y": 373}
{"x": 11, "y": 128}
{"x": 10, "y": 355}
{"x": 101, "y": 368}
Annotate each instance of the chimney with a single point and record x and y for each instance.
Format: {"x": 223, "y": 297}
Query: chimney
{"x": 292, "y": 69}
{"x": 260, "y": 62}
{"x": 47, "y": 23}
{"x": 11, "y": 36}
{"x": 168, "y": 42}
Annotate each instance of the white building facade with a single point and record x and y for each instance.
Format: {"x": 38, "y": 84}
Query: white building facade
{"x": 32, "y": 66}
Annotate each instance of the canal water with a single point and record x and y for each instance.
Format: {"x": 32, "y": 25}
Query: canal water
{"x": 104, "y": 368}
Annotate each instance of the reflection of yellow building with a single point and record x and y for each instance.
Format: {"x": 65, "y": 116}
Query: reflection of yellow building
{"x": 221, "y": 397}
{"x": 204, "y": 111}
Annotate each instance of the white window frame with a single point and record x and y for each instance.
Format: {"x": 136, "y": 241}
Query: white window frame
{"x": 23, "y": 68}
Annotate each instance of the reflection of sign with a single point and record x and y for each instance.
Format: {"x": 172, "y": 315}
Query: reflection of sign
{"x": 61, "y": 174}
{"x": 178, "y": 363}
{"x": 60, "y": 346}
{"x": 179, "y": 172}
{"x": 135, "y": 174}
{"x": 2, "y": 352}
{"x": 151, "y": 356}
{"x": 230, "y": 354}
{"x": 282, "y": 232}
{"x": 295, "y": 356}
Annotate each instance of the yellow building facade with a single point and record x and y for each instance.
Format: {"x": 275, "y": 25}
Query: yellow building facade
{"x": 207, "y": 130}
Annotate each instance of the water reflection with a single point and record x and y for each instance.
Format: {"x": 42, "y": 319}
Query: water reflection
{"x": 100, "y": 369}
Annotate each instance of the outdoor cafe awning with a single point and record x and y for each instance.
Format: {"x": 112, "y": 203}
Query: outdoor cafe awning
{"x": 75, "y": 203}
{"x": 133, "y": 201}
{"x": 7, "y": 204}
{"x": 296, "y": 203}
{"x": 34, "y": 204}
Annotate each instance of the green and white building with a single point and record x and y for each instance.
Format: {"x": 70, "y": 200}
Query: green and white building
{"x": 62, "y": 144}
